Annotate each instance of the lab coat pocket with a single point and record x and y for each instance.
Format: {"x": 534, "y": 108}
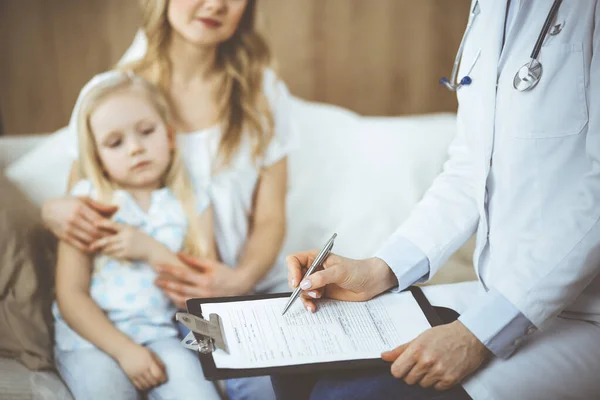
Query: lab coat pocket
{"x": 557, "y": 106}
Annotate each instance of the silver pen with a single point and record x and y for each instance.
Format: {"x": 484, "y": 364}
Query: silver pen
{"x": 317, "y": 262}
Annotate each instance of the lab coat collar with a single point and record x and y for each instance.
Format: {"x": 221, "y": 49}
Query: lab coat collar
{"x": 488, "y": 4}
{"x": 482, "y": 4}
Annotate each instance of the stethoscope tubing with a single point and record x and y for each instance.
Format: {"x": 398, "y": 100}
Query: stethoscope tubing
{"x": 453, "y": 85}
{"x": 544, "y": 32}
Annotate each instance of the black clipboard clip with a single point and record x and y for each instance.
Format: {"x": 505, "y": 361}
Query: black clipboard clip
{"x": 208, "y": 333}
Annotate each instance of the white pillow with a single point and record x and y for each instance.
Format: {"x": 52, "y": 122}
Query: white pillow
{"x": 43, "y": 172}
{"x": 361, "y": 177}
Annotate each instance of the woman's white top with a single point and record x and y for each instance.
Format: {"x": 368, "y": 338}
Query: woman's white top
{"x": 231, "y": 188}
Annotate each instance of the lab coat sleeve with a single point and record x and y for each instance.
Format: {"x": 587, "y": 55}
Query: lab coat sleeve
{"x": 497, "y": 323}
{"x": 407, "y": 262}
{"x": 575, "y": 238}
{"x": 447, "y": 215}
{"x": 494, "y": 320}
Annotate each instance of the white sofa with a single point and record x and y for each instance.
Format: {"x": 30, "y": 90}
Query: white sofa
{"x": 357, "y": 176}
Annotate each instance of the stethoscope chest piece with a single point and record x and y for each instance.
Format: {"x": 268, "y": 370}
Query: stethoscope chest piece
{"x": 528, "y": 76}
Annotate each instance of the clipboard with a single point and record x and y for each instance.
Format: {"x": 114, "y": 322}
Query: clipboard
{"x": 212, "y": 338}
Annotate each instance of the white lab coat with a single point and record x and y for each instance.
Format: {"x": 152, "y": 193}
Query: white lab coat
{"x": 524, "y": 173}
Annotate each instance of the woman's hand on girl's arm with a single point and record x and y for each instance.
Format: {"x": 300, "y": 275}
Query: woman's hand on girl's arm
{"x": 72, "y": 219}
{"x": 206, "y": 220}
{"x": 267, "y": 228}
{"x": 129, "y": 243}
{"x": 80, "y": 311}
{"x": 202, "y": 278}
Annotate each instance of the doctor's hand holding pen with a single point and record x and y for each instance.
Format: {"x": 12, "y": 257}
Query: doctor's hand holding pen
{"x": 440, "y": 357}
{"x": 340, "y": 278}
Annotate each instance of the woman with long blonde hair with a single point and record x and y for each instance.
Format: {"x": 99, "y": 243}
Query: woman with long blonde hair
{"x": 233, "y": 120}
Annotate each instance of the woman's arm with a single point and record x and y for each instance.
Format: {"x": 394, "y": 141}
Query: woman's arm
{"x": 73, "y": 274}
{"x": 207, "y": 277}
{"x": 267, "y": 225}
{"x": 125, "y": 242}
{"x": 72, "y": 219}
{"x": 206, "y": 222}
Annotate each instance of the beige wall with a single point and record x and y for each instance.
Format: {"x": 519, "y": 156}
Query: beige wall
{"x": 377, "y": 57}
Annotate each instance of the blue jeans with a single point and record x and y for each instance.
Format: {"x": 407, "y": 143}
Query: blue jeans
{"x": 356, "y": 385}
{"x": 92, "y": 374}
{"x": 256, "y": 388}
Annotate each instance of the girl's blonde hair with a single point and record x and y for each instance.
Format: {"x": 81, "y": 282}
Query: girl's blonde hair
{"x": 243, "y": 58}
{"x": 175, "y": 178}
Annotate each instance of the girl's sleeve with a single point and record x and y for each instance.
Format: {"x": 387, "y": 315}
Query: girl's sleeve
{"x": 280, "y": 101}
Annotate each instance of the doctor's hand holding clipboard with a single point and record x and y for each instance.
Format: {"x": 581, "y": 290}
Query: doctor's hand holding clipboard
{"x": 440, "y": 357}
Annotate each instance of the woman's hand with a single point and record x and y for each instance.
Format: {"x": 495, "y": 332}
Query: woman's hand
{"x": 203, "y": 278}
{"x": 341, "y": 278}
{"x": 142, "y": 366}
{"x": 73, "y": 219}
{"x": 124, "y": 242}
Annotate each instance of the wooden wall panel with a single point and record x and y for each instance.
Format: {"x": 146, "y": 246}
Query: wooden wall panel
{"x": 376, "y": 57}
{"x": 51, "y": 49}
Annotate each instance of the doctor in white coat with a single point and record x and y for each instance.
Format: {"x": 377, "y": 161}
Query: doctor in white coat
{"x": 524, "y": 174}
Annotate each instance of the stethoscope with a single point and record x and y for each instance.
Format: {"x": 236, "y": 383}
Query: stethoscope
{"x": 528, "y": 76}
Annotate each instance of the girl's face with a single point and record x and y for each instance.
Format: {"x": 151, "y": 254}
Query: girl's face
{"x": 133, "y": 143}
{"x": 206, "y": 22}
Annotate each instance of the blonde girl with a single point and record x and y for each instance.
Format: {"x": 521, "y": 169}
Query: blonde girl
{"x": 115, "y": 335}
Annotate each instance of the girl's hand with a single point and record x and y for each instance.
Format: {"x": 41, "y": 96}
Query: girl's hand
{"x": 124, "y": 242}
{"x": 203, "y": 278}
{"x": 73, "y": 219}
{"x": 341, "y": 278}
{"x": 142, "y": 366}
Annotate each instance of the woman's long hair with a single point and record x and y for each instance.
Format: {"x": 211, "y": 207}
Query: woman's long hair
{"x": 244, "y": 111}
{"x": 176, "y": 177}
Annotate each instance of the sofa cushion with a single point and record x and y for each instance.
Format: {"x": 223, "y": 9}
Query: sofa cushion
{"x": 19, "y": 383}
{"x": 361, "y": 177}
{"x": 41, "y": 181}
{"x": 26, "y": 276}
{"x": 357, "y": 176}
